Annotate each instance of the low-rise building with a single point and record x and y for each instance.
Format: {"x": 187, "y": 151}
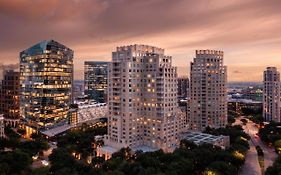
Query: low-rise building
{"x": 236, "y": 105}
{"x": 81, "y": 113}
{"x": 89, "y": 111}
{"x": 200, "y": 138}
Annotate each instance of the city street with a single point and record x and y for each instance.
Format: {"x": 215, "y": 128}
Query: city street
{"x": 252, "y": 166}
{"x": 42, "y": 161}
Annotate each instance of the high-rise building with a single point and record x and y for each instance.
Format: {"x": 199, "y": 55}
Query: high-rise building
{"x": 78, "y": 89}
{"x": 46, "y": 77}
{"x": 95, "y": 77}
{"x": 208, "y": 93}
{"x": 142, "y": 100}
{"x": 9, "y": 94}
{"x": 271, "y": 94}
{"x": 183, "y": 87}
{"x": 2, "y": 126}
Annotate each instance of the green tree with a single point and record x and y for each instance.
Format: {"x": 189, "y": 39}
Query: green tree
{"x": 223, "y": 168}
{"x": 14, "y": 162}
{"x": 275, "y": 169}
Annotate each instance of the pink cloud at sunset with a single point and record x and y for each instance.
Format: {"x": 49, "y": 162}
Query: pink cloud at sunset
{"x": 248, "y": 31}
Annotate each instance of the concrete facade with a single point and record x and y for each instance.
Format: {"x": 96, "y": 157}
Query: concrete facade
{"x": 208, "y": 93}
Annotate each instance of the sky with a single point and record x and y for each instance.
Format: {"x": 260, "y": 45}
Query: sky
{"x": 248, "y": 31}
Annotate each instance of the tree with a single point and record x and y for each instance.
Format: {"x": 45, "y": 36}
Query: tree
{"x": 277, "y": 145}
{"x": 270, "y": 133}
{"x": 97, "y": 161}
{"x": 123, "y": 153}
{"x": 40, "y": 171}
{"x": 223, "y": 168}
{"x": 275, "y": 169}
{"x": 14, "y": 162}
{"x": 231, "y": 119}
{"x": 185, "y": 144}
{"x": 62, "y": 162}
{"x": 259, "y": 151}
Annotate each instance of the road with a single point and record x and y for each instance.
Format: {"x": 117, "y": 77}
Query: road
{"x": 252, "y": 166}
{"x": 38, "y": 162}
{"x": 269, "y": 154}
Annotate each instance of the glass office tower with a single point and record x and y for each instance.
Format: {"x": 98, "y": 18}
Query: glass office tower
{"x": 95, "y": 77}
{"x": 46, "y": 77}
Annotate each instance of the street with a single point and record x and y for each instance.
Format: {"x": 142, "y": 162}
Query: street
{"x": 42, "y": 161}
{"x": 252, "y": 166}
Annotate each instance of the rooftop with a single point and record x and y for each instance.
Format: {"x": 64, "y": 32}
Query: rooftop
{"x": 200, "y": 138}
{"x": 243, "y": 101}
{"x": 57, "y": 130}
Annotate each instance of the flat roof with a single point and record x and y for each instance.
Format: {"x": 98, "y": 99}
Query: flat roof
{"x": 248, "y": 101}
{"x": 57, "y": 130}
{"x": 199, "y": 137}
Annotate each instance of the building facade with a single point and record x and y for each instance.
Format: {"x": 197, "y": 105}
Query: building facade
{"x": 208, "y": 93}
{"x": 271, "y": 94}
{"x": 142, "y": 100}
{"x": 2, "y": 126}
{"x": 9, "y": 94}
{"x": 183, "y": 87}
{"x": 46, "y": 77}
{"x": 95, "y": 79}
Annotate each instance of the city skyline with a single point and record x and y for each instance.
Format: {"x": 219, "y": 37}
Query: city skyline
{"x": 247, "y": 31}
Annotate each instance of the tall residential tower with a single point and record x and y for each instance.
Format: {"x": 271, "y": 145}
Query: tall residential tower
{"x": 271, "y": 94}
{"x": 46, "y": 77}
{"x": 142, "y": 100}
{"x": 208, "y": 95}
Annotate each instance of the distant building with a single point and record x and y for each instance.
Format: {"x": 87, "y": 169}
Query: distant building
{"x": 183, "y": 87}
{"x": 88, "y": 112}
{"x": 46, "y": 77}
{"x": 9, "y": 95}
{"x": 142, "y": 101}
{"x": 271, "y": 94}
{"x": 237, "y": 105}
{"x": 78, "y": 89}
{"x": 2, "y": 126}
{"x": 252, "y": 93}
{"x": 95, "y": 77}
{"x": 208, "y": 93}
{"x": 73, "y": 114}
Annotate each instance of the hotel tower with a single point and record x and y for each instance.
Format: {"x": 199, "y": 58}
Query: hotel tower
{"x": 142, "y": 100}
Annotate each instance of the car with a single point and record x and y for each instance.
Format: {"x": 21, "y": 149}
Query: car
{"x": 54, "y": 143}
{"x": 35, "y": 157}
{"x": 45, "y": 162}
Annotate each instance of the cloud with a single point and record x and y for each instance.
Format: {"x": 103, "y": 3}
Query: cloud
{"x": 237, "y": 72}
{"x": 247, "y": 31}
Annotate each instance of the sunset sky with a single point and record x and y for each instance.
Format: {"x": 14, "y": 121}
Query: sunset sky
{"x": 248, "y": 31}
